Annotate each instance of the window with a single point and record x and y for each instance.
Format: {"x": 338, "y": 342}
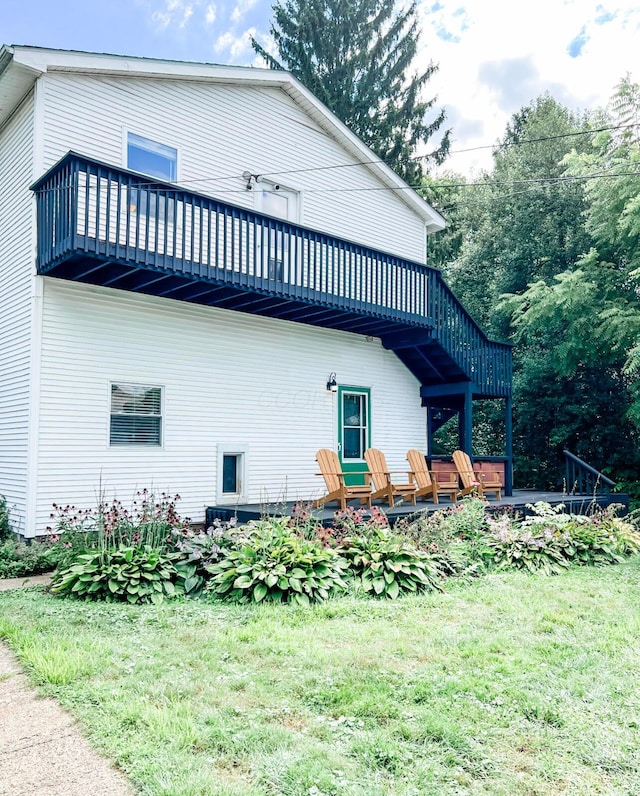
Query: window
{"x": 150, "y": 157}
{"x": 231, "y": 470}
{"x": 136, "y": 415}
{"x": 156, "y": 160}
{"x": 232, "y": 473}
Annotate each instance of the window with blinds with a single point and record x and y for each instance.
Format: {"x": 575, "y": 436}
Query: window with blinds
{"x": 136, "y": 415}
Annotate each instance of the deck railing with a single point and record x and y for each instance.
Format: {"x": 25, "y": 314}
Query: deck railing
{"x": 584, "y": 479}
{"x": 87, "y": 207}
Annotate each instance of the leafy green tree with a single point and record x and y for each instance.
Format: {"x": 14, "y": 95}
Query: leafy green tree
{"x": 356, "y": 56}
{"x": 585, "y": 321}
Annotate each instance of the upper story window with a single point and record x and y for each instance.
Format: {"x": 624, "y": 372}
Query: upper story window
{"x": 150, "y": 157}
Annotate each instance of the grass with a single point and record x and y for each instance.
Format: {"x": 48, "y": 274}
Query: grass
{"x": 513, "y": 685}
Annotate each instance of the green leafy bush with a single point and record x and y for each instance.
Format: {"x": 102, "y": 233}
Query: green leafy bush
{"x": 18, "y": 559}
{"x": 199, "y": 549}
{"x": 131, "y": 574}
{"x": 550, "y": 539}
{"x": 454, "y": 536}
{"x": 273, "y": 563}
{"x": 386, "y": 565}
{"x": 514, "y": 545}
{"x": 624, "y": 532}
{"x": 5, "y": 527}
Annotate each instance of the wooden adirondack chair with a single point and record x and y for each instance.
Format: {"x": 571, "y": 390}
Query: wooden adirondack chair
{"x": 383, "y": 486}
{"x": 475, "y": 481}
{"x": 337, "y": 490}
{"x": 427, "y": 483}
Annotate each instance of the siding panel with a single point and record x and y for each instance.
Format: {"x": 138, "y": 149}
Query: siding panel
{"x": 220, "y": 132}
{"x": 228, "y": 379}
{"x": 16, "y": 274}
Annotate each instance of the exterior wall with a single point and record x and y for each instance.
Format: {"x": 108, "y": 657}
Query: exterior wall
{"x": 228, "y": 378}
{"x": 16, "y": 279}
{"x": 221, "y": 131}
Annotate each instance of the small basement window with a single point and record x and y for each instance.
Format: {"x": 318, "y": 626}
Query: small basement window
{"x": 136, "y": 415}
{"x": 232, "y": 470}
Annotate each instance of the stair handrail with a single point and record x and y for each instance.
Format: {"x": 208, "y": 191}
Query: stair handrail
{"x": 582, "y": 472}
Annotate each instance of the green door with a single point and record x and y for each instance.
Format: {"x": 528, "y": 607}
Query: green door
{"x": 354, "y": 430}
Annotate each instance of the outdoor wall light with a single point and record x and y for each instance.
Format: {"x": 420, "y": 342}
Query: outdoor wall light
{"x": 251, "y": 179}
{"x": 332, "y": 384}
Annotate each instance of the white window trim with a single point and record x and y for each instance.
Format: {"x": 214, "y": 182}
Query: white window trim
{"x": 242, "y": 451}
{"x": 163, "y": 418}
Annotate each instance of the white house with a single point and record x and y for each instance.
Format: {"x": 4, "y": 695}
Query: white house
{"x": 190, "y": 254}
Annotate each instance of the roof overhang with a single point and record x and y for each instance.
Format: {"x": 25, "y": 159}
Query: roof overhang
{"x": 20, "y": 67}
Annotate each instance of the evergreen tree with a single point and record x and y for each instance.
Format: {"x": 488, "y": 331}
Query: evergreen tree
{"x": 356, "y": 57}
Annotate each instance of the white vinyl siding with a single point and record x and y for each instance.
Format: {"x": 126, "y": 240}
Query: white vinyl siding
{"x": 223, "y": 131}
{"x": 232, "y": 383}
{"x": 16, "y": 278}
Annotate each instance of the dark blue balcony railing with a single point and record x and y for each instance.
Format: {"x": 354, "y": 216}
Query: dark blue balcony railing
{"x": 110, "y": 226}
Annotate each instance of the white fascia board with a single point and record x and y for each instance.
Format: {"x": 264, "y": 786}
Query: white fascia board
{"x": 42, "y": 60}
{"x": 16, "y": 81}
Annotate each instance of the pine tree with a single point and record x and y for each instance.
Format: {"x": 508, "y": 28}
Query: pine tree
{"x": 356, "y": 57}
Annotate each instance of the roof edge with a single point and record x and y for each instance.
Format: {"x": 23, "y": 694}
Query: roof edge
{"x": 40, "y": 60}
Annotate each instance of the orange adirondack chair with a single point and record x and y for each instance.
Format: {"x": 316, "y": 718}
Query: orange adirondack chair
{"x": 472, "y": 480}
{"x": 337, "y": 490}
{"x": 427, "y": 483}
{"x": 383, "y": 486}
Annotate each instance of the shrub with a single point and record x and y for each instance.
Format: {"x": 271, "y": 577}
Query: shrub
{"x": 515, "y": 545}
{"x": 200, "y": 549}
{"x": 387, "y": 566}
{"x": 454, "y": 536}
{"x": 131, "y": 574}
{"x": 351, "y": 522}
{"x": 19, "y": 560}
{"x": 5, "y": 527}
{"x": 273, "y": 563}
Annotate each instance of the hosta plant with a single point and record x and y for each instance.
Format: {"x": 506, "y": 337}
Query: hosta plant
{"x": 385, "y": 565}
{"x": 274, "y": 564}
{"x": 199, "y": 549}
{"x": 515, "y": 545}
{"x": 125, "y": 574}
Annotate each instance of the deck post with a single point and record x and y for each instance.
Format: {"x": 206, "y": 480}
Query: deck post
{"x": 465, "y": 422}
{"x": 429, "y": 429}
{"x": 508, "y": 452}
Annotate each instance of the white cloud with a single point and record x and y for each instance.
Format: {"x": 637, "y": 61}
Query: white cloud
{"x": 210, "y": 14}
{"x": 497, "y": 55}
{"x": 173, "y": 13}
{"x": 241, "y": 8}
{"x": 235, "y": 46}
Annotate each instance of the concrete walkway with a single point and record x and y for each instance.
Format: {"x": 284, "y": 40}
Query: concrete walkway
{"x": 42, "y": 751}
{"x": 19, "y": 583}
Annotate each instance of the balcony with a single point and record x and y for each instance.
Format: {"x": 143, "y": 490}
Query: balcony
{"x": 107, "y": 226}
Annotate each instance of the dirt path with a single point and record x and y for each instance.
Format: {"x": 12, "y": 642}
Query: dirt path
{"x": 42, "y": 751}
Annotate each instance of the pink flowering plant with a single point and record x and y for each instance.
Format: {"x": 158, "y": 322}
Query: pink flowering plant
{"x": 121, "y": 554}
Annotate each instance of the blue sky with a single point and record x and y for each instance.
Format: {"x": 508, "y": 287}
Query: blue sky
{"x": 495, "y": 55}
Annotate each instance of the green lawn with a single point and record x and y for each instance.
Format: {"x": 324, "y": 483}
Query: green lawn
{"x": 513, "y": 684}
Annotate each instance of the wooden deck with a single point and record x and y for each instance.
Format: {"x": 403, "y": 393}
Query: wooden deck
{"x": 576, "y": 504}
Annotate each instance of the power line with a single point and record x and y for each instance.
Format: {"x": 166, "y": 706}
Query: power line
{"x": 380, "y": 161}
